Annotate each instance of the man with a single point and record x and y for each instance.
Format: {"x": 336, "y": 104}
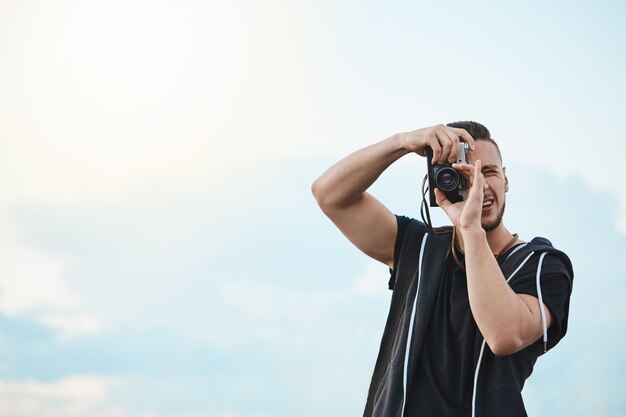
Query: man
{"x": 473, "y": 306}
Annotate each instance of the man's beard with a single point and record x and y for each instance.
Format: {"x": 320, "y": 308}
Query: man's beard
{"x": 493, "y": 225}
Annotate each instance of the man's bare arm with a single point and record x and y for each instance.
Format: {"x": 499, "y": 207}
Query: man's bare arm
{"x": 341, "y": 194}
{"x": 508, "y": 321}
{"x": 341, "y": 191}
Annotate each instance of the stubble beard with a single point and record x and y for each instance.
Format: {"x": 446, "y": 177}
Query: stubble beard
{"x": 494, "y": 224}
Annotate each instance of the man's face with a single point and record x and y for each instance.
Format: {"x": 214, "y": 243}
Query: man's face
{"x": 497, "y": 182}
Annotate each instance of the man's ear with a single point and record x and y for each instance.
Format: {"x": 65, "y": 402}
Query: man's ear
{"x": 506, "y": 180}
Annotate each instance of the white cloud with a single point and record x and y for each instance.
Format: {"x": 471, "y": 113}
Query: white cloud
{"x": 72, "y": 324}
{"x": 32, "y": 280}
{"x": 72, "y": 396}
{"x": 87, "y": 396}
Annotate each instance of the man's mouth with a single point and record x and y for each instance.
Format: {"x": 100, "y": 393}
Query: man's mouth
{"x": 487, "y": 203}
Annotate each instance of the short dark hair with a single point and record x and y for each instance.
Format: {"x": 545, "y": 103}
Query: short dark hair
{"x": 477, "y": 131}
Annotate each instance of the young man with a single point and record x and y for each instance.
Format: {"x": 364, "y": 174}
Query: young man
{"x": 473, "y": 306}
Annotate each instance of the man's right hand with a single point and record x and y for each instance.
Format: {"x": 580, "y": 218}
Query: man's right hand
{"x": 443, "y": 140}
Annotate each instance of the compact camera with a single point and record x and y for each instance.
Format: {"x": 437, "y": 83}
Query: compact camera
{"x": 446, "y": 178}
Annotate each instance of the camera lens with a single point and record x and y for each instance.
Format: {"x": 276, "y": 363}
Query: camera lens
{"x": 447, "y": 179}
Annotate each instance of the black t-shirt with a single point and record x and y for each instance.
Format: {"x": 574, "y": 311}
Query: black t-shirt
{"x": 444, "y": 377}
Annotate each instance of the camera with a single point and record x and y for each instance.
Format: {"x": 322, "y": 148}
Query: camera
{"x": 446, "y": 178}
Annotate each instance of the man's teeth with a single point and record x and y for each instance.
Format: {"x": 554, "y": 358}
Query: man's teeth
{"x": 487, "y": 203}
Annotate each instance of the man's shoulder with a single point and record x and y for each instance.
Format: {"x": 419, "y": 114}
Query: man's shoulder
{"x": 540, "y": 243}
{"x": 540, "y": 250}
{"x": 543, "y": 245}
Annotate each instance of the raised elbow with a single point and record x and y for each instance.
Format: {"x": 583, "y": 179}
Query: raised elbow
{"x": 499, "y": 350}
{"x": 318, "y": 192}
{"x": 504, "y": 346}
{"x": 323, "y": 195}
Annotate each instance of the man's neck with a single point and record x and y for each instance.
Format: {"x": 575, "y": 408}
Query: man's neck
{"x": 500, "y": 239}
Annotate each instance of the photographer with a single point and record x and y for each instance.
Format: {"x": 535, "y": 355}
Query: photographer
{"x": 473, "y": 306}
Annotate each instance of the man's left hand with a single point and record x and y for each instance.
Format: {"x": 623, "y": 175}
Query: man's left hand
{"x": 466, "y": 214}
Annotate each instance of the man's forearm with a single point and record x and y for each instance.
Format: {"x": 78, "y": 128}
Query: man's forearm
{"x": 503, "y": 318}
{"x": 346, "y": 181}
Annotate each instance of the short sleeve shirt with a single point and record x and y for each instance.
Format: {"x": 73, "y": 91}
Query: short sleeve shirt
{"x": 443, "y": 382}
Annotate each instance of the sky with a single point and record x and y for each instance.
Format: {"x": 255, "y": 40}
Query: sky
{"x": 161, "y": 254}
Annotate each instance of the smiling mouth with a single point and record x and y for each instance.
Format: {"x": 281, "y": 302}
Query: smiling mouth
{"x": 487, "y": 203}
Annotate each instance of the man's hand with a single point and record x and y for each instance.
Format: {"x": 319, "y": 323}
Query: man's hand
{"x": 443, "y": 140}
{"x": 466, "y": 214}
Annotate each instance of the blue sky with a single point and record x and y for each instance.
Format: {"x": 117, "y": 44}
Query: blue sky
{"x": 161, "y": 253}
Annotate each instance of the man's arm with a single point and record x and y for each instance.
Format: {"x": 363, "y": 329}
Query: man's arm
{"x": 341, "y": 190}
{"x": 508, "y": 321}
